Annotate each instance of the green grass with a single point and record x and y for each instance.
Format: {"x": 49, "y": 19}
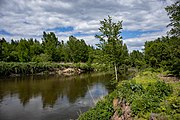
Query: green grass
{"x": 145, "y": 78}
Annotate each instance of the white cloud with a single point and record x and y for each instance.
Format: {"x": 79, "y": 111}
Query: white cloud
{"x": 29, "y": 18}
{"x": 138, "y": 42}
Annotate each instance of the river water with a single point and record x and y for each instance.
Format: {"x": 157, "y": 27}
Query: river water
{"x": 51, "y": 97}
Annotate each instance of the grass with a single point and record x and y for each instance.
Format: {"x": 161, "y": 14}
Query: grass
{"x": 145, "y": 78}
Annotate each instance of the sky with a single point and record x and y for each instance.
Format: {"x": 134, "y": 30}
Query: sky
{"x": 143, "y": 20}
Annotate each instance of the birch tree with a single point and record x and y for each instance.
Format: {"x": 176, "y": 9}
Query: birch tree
{"x": 111, "y": 43}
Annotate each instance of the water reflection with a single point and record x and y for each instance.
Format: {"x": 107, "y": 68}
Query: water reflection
{"x": 44, "y": 94}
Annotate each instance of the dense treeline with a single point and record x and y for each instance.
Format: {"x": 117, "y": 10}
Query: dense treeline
{"x": 161, "y": 53}
{"x": 50, "y": 49}
{"x": 164, "y": 53}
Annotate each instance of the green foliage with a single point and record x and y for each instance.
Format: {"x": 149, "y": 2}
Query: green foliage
{"x": 137, "y": 59}
{"x": 50, "y": 49}
{"x": 9, "y": 68}
{"x": 23, "y": 50}
{"x": 102, "y": 111}
{"x": 101, "y": 67}
{"x": 174, "y": 15}
{"x": 41, "y": 58}
{"x": 129, "y": 90}
{"x": 144, "y": 96}
{"x": 113, "y": 50}
{"x": 159, "y": 88}
{"x": 78, "y": 50}
{"x": 165, "y": 53}
{"x": 35, "y": 48}
{"x": 84, "y": 66}
{"x": 8, "y": 52}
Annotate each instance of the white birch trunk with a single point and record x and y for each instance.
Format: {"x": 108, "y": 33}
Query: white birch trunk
{"x": 116, "y": 73}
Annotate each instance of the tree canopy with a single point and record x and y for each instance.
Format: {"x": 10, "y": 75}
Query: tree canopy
{"x": 174, "y": 15}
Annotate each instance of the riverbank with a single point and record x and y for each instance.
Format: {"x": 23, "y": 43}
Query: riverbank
{"x": 41, "y": 68}
{"x": 146, "y": 96}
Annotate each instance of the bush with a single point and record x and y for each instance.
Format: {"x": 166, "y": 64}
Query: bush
{"x": 41, "y": 58}
{"x": 102, "y": 111}
{"x": 160, "y": 88}
{"x": 145, "y": 100}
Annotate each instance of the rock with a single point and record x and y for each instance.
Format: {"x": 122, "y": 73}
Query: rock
{"x": 69, "y": 70}
{"x": 153, "y": 116}
{"x": 115, "y": 103}
{"x": 125, "y": 108}
{"x": 115, "y": 116}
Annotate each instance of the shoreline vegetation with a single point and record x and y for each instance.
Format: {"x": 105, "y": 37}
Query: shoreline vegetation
{"x": 42, "y": 68}
{"x": 146, "y": 96}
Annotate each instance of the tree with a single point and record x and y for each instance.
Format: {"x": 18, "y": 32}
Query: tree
{"x": 111, "y": 43}
{"x": 63, "y": 49}
{"x": 35, "y": 48}
{"x": 13, "y": 53}
{"x": 78, "y": 50}
{"x": 137, "y": 59}
{"x": 165, "y": 53}
{"x": 157, "y": 52}
{"x": 174, "y": 15}
{"x": 50, "y": 43}
{"x": 23, "y": 50}
{"x": 2, "y": 47}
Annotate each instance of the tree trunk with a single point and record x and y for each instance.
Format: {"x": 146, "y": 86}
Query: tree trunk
{"x": 116, "y": 72}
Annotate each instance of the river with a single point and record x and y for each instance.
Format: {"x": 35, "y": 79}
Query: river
{"x": 51, "y": 97}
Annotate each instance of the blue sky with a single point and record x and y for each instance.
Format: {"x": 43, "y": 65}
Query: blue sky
{"x": 137, "y": 33}
{"x": 143, "y": 20}
{"x": 61, "y": 29}
{"x": 4, "y": 33}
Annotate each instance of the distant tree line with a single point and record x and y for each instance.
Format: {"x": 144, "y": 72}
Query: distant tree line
{"x": 31, "y": 50}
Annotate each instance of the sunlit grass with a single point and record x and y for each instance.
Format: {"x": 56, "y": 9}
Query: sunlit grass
{"x": 145, "y": 78}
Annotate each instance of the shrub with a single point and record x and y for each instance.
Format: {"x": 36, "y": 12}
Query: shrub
{"x": 102, "y": 111}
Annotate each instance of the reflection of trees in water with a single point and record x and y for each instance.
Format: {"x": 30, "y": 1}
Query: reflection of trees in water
{"x": 50, "y": 88}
